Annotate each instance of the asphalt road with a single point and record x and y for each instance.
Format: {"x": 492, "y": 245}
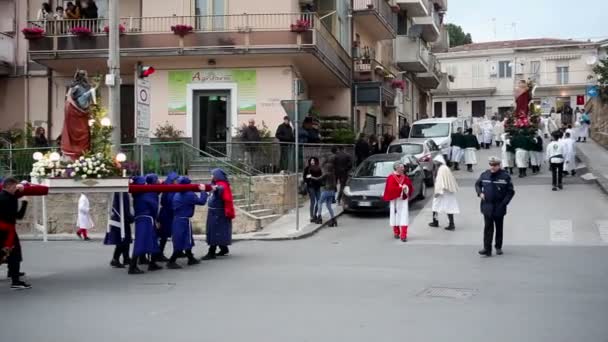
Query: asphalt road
{"x": 350, "y": 283}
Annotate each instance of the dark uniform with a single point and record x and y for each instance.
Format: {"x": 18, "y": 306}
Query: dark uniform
{"x": 9, "y": 214}
{"x": 498, "y": 191}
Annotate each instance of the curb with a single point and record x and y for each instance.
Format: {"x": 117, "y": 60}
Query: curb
{"x": 600, "y": 180}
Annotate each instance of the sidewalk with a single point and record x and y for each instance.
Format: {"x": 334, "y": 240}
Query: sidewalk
{"x": 282, "y": 229}
{"x": 595, "y": 158}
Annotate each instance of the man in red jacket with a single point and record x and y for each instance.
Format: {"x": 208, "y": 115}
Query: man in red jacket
{"x": 398, "y": 189}
{"x": 9, "y": 240}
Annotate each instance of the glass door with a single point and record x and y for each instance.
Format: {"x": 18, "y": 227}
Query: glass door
{"x": 210, "y": 15}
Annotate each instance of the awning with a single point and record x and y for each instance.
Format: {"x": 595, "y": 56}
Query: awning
{"x": 562, "y": 57}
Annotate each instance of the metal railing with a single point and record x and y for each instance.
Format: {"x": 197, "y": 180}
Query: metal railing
{"x": 381, "y": 7}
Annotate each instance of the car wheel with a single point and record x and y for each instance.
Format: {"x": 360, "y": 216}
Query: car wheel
{"x": 422, "y": 194}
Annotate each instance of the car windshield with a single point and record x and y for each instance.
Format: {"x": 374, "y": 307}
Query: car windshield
{"x": 375, "y": 169}
{"x": 430, "y": 130}
{"x": 405, "y": 149}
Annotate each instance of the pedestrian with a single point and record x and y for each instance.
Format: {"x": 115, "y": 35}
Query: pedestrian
{"x": 374, "y": 146}
{"x": 521, "y": 145}
{"x": 45, "y": 13}
{"x": 59, "y": 13}
{"x": 387, "y": 139}
{"x": 362, "y": 149}
{"x": 250, "y": 136}
{"x": 471, "y": 147}
{"x": 397, "y": 191}
{"x": 499, "y": 129}
{"x": 536, "y": 152}
{"x": 40, "y": 138}
{"x": 85, "y": 221}
{"x": 404, "y": 132}
{"x": 145, "y": 206}
{"x": 220, "y": 215}
{"x": 312, "y": 172}
{"x": 508, "y": 154}
{"x": 343, "y": 164}
{"x": 477, "y": 129}
{"x": 10, "y": 251}
{"x": 328, "y": 193}
{"x": 444, "y": 200}
{"x": 495, "y": 189}
{"x": 569, "y": 155}
{"x": 165, "y": 217}
{"x": 555, "y": 157}
{"x": 567, "y": 115}
{"x": 457, "y": 148}
{"x": 183, "y": 206}
{"x": 72, "y": 12}
{"x": 286, "y": 137}
{"x": 488, "y": 132}
{"x": 114, "y": 235}
{"x": 89, "y": 10}
{"x": 585, "y": 123}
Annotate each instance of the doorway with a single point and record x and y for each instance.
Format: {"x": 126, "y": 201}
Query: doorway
{"x": 561, "y": 102}
{"x": 451, "y": 109}
{"x": 478, "y": 108}
{"x": 210, "y": 126}
{"x": 127, "y": 113}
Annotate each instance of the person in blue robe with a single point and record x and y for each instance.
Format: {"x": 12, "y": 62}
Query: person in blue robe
{"x": 165, "y": 217}
{"x": 220, "y": 215}
{"x": 113, "y": 235}
{"x": 145, "y": 206}
{"x": 184, "y": 205}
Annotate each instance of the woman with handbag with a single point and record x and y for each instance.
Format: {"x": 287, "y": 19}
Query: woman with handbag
{"x": 312, "y": 186}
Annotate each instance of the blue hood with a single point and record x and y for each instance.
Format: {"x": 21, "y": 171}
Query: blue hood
{"x": 171, "y": 178}
{"x": 219, "y": 175}
{"x": 184, "y": 180}
{"x": 138, "y": 180}
{"x": 152, "y": 178}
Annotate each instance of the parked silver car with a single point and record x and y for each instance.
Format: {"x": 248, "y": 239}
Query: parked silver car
{"x": 424, "y": 150}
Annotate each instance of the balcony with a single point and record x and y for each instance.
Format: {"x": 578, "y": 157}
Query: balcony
{"x": 313, "y": 50}
{"x": 376, "y": 17}
{"x": 414, "y": 8}
{"x": 7, "y": 54}
{"x": 428, "y": 25}
{"x": 412, "y": 54}
{"x": 432, "y": 78}
{"x": 442, "y": 4}
{"x": 443, "y": 43}
{"x": 373, "y": 79}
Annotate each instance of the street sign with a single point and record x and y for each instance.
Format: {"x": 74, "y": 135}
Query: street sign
{"x": 592, "y": 91}
{"x": 142, "y": 110}
{"x": 290, "y": 108}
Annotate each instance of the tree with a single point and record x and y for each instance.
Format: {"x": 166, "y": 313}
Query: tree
{"x": 457, "y": 35}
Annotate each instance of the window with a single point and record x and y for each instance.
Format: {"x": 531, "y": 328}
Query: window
{"x": 370, "y": 124}
{"x": 430, "y": 130}
{"x": 438, "y": 110}
{"x": 535, "y": 70}
{"x": 375, "y": 169}
{"x": 451, "y": 109}
{"x": 212, "y": 12}
{"x": 562, "y": 75}
{"x": 505, "y": 69}
{"x": 413, "y": 149}
{"x": 402, "y": 24}
{"x": 478, "y": 109}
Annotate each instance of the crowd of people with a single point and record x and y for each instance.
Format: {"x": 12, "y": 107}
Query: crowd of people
{"x": 156, "y": 218}
{"x": 61, "y": 20}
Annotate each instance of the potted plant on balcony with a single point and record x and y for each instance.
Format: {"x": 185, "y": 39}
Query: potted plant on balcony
{"x": 181, "y": 30}
{"x": 121, "y": 29}
{"x": 81, "y": 31}
{"x": 300, "y": 26}
{"x": 398, "y": 84}
{"x": 33, "y": 33}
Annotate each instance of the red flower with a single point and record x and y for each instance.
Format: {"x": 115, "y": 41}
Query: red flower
{"x": 181, "y": 30}
{"x": 33, "y": 32}
{"x": 81, "y": 31}
{"x": 121, "y": 29}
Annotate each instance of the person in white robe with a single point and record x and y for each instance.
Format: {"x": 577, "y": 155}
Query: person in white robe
{"x": 508, "y": 155}
{"x": 84, "y": 221}
{"x": 536, "y": 153}
{"x": 584, "y": 122}
{"x": 487, "y": 133}
{"x": 444, "y": 200}
{"x": 457, "y": 148}
{"x": 568, "y": 145}
{"x": 521, "y": 144}
{"x": 499, "y": 129}
{"x": 544, "y": 124}
{"x": 477, "y": 129}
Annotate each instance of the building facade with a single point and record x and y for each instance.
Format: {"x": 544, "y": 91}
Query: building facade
{"x": 482, "y": 76}
{"x": 239, "y": 62}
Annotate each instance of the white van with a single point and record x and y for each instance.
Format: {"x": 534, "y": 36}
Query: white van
{"x": 440, "y": 130}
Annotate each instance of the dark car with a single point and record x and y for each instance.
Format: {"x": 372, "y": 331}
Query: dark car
{"x": 365, "y": 189}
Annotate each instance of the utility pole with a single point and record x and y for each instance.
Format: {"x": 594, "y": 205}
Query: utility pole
{"x": 113, "y": 79}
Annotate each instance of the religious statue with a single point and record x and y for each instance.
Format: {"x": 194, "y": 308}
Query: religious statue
{"x": 76, "y": 136}
{"x": 523, "y": 96}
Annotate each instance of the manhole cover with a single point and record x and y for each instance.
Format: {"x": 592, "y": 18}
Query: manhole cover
{"x": 448, "y": 292}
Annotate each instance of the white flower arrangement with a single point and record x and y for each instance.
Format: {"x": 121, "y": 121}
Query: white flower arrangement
{"x": 46, "y": 168}
{"x": 94, "y": 166}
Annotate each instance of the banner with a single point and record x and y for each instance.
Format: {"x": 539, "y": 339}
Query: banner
{"x": 245, "y": 79}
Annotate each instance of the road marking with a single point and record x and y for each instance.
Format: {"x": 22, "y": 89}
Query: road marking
{"x": 561, "y": 231}
{"x": 602, "y": 227}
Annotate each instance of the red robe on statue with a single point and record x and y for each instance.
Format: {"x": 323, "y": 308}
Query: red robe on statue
{"x": 75, "y": 136}
{"x": 394, "y": 189}
{"x": 522, "y": 103}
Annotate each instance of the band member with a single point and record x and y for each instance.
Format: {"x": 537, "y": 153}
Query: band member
{"x": 165, "y": 217}
{"x": 471, "y": 146}
{"x": 9, "y": 240}
{"x": 397, "y": 190}
{"x": 113, "y": 234}
{"x": 145, "y": 206}
{"x": 457, "y": 150}
{"x": 521, "y": 143}
{"x": 220, "y": 215}
{"x": 508, "y": 154}
{"x": 536, "y": 153}
{"x": 444, "y": 200}
{"x": 183, "y": 206}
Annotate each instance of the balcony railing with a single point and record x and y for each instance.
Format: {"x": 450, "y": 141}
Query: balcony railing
{"x": 412, "y": 54}
{"x": 381, "y": 8}
{"x": 246, "y": 31}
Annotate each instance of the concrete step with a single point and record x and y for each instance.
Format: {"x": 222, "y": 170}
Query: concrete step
{"x": 200, "y": 168}
{"x": 261, "y": 212}
{"x": 253, "y": 206}
{"x": 264, "y": 221}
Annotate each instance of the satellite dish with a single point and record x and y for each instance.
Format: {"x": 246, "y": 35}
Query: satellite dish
{"x": 591, "y": 60}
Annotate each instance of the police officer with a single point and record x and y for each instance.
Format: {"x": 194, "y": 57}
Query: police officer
{"x": 495, "y": 189}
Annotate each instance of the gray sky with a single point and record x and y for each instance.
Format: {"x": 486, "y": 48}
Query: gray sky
{"x": 577, "y": 19}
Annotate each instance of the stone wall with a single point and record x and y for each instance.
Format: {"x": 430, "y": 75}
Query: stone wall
{"x": 599, "y": 121}
{"x": 276, "y": 192}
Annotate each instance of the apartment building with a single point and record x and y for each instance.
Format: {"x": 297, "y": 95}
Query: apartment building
{"x": 484, "y": 75}
{"x": 238, "y": 63}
